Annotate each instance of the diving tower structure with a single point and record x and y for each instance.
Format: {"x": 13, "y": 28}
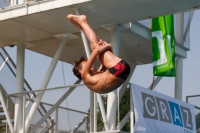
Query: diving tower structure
{"x": 41, "y": 26}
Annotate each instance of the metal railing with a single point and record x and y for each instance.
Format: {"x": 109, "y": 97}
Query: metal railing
{"x": 195, "y": 100}
{"x": 7, "y": 80}
{"x": 53, "y": 111}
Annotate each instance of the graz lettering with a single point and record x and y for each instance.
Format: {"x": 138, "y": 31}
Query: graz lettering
{"x": 160, "y": 109}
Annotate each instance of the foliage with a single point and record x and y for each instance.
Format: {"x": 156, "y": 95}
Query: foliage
{"x": 2, "y": 128}
{"x": 198, "y": 121}
{"x": 124, "y": 109}
{"x": 100, "y": 124}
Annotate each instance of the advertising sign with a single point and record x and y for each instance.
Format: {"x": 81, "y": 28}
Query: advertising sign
{"x": 158, "y": 113}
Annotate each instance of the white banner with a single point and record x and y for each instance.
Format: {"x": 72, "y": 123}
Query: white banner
{"x": 158, "y": 113}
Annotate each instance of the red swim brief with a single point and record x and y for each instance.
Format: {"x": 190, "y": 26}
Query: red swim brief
{"x": 120, "y": 70}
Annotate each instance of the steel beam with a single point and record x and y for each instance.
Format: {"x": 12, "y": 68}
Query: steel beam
{"x": 146, "y": 33}
{"x": 156, "y": 81}
{"x": 124, "y": 86}
{"x": 45, "y": 83}
{"x": 123, "y": 121}
{"x": 188, "y": 24}
{"x": 79, "y": 124}
{"x": 3, "y": 64}
{"x": 53, "y": 108}
{"x": 88, "y": 52}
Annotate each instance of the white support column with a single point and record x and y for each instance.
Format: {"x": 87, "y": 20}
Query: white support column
{"x": 88, "y": 52}
{"x": 112, "y": 96}
{"x": 51, "y": 130}
{"x": 180, "y": 28}
{"x": 179, "y": 62}
{"x": 87, "y": 125}
{"x": 20, "y": 2}
{"x": 131, "y": 114}
{"x": 19, "y": 88}
{"x": 57, "y": 120}
{"x": 14, "y": 2}
{"x": 45, "y": 83}
{"x": 24, "y": 112}
{"x": 91, "y": 111}
{"x": 95, "y": 112}
{"x": 179, "y": 78}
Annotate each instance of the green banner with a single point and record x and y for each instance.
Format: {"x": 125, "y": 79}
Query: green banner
{"x": 163, "y": 46}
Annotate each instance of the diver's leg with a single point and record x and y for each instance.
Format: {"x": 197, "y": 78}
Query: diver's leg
{"x": 81, "y": 23}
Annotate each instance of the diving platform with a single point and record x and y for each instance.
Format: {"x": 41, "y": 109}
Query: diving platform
{"x": 39, "y": 24}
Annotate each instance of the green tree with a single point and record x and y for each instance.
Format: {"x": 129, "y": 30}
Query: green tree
{"x": 2, "y": 128}
{"x": 124, "y": 109}
{"x": 100, "y": 124}
{"x": 198, "y": 121}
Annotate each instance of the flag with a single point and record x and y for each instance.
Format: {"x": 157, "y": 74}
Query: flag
{"x": 163, "y": 46}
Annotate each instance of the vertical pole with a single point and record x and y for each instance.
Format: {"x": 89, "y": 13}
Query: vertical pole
{"x": 11, "y": 2}
{"x": 179, "y": 78}
{"x": 87, "y": 125}
{"x": 57, "y": 120}
{"x": 14, "y": 2}
{"x": 180, "y": 28}
{"x": 45, "y": 83}
{"x": 91, "y": 111}
{"x": 95, "y": 112}
{"x": 88, "y": 52}
{"x": 24, "y": 111}
{"x": 51, "y": 130}
{"x": 112, "y": 96}
{"x": 179, "y": 62}
{"x": 19, "y": 88}
{"x": 131, "y": 113}
{"x": 92, "y": 98}
{"x": 20, "y": 2}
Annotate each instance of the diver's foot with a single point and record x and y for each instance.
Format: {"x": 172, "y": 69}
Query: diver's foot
{"x": 77, "y": 20}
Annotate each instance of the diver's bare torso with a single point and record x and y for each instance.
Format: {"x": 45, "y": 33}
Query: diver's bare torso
{"x": 104, "y": 82}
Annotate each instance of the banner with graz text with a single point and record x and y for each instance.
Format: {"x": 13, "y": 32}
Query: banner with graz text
{"x": 158, "y": 113}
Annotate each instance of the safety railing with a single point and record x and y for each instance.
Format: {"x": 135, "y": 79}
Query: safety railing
{"x": 195, "y": 100}
{"x": 67, "y": 117}
{"x": 62, "y": 119}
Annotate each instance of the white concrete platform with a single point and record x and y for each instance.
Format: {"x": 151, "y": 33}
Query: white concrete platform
{"x": 36, "y": 24}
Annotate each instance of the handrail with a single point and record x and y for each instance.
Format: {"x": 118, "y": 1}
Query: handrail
{"x": 46, "y": 89}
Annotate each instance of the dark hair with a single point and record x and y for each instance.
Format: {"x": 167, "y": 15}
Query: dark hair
{"x": 77, "y": 67}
